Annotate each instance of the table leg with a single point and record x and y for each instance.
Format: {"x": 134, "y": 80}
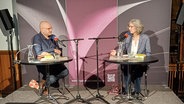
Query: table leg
{"x": 126, "y": 98}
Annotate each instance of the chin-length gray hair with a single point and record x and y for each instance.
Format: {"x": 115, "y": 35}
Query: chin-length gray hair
{"x": 138, "y": 24}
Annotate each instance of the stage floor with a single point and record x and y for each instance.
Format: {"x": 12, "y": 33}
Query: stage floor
{"x": 27, "y": 95}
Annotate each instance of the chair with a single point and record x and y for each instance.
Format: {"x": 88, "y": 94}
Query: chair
{"x": 146, "y": 91}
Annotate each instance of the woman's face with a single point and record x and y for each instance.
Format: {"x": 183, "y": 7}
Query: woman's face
{"x": 132, "y": 28}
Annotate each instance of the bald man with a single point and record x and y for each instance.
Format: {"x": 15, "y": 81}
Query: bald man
{"x": 47, "y": 46}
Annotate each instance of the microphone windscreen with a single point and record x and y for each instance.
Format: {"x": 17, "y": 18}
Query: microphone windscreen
{"x": 56, "y": 39}
{"x": 126, "y": 35}
{"x": 123, "y": 36}
{"x": 53, "y": 37}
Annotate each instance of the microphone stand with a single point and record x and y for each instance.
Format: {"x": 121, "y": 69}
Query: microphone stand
{"x": 98, "y": 96}
{"x": 61, "y": 43}
{"x": 78, "y": 97}
{"x": 11, "y": 61}
{"x": 84, "y": 61}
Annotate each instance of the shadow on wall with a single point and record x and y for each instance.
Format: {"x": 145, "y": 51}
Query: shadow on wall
{"x": 90, "y": 77}
{"x": 92, "y": 82}
{"x": 157, "y": 69}
{"x": 64, "y": 44}
{"x": 156, "y": 49}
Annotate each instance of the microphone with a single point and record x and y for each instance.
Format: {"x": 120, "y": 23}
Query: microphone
{"x": 123, "y": 36}
{"x": 56, "y": 39}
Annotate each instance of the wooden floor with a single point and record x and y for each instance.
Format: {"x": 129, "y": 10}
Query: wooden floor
{"x": 27, "y": 95}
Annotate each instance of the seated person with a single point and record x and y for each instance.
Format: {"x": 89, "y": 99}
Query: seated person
{"x": 135, "y": 43}
{"x": 47, "y": 46}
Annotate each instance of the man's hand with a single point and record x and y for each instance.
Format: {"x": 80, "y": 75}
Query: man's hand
{"x": 57, "y": 51}
{"x": 42, "y": 55}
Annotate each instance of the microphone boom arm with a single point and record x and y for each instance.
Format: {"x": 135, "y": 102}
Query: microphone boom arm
{"x": 102, "y": 38}
{"x": 72, "y": 39}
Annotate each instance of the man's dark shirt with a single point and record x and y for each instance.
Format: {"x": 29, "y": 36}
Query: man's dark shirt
{"x": 44, "y": 45}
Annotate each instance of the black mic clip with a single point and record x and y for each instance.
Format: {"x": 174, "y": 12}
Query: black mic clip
{"x": 61, "y": 43}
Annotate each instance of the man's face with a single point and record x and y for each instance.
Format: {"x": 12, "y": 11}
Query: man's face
{"x": 46, "y": 29}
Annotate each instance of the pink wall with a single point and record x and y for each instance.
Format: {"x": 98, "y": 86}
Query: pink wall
{"x": 91, "y": 19}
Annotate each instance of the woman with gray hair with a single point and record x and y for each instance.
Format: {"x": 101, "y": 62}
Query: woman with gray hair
{"x": 135, "y": 43}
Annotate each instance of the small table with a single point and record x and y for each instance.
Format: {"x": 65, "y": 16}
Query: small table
{"x": 130, "y": 61}
{"x": 46, "y": 62}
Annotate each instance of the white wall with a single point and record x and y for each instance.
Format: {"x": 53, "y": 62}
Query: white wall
{"x": 6, "y": 4}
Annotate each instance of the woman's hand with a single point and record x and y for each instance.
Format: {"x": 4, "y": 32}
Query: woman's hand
{"x": 113, "y": 52}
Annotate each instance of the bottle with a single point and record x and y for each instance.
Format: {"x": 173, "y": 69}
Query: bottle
{"x": 120, "y": 49}
{"x": 30, "y": 53}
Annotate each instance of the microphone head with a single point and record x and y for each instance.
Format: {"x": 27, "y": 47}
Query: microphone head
{"x": 53, "y": 37}
{"x": 56, "y": 39}
{"x": 126, "y": 35}
{"x": 123, "y": 36}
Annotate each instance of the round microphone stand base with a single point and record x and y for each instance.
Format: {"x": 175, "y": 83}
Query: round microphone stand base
{"x": 98, "y": 97}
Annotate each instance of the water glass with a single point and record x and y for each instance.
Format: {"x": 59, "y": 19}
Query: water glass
{"x": 131, "y": 55}
{"x": 119, "y": 54}
{"x": 56, "y": 56}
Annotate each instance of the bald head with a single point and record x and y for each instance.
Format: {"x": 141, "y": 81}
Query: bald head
{"x": 45, "y": 28}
